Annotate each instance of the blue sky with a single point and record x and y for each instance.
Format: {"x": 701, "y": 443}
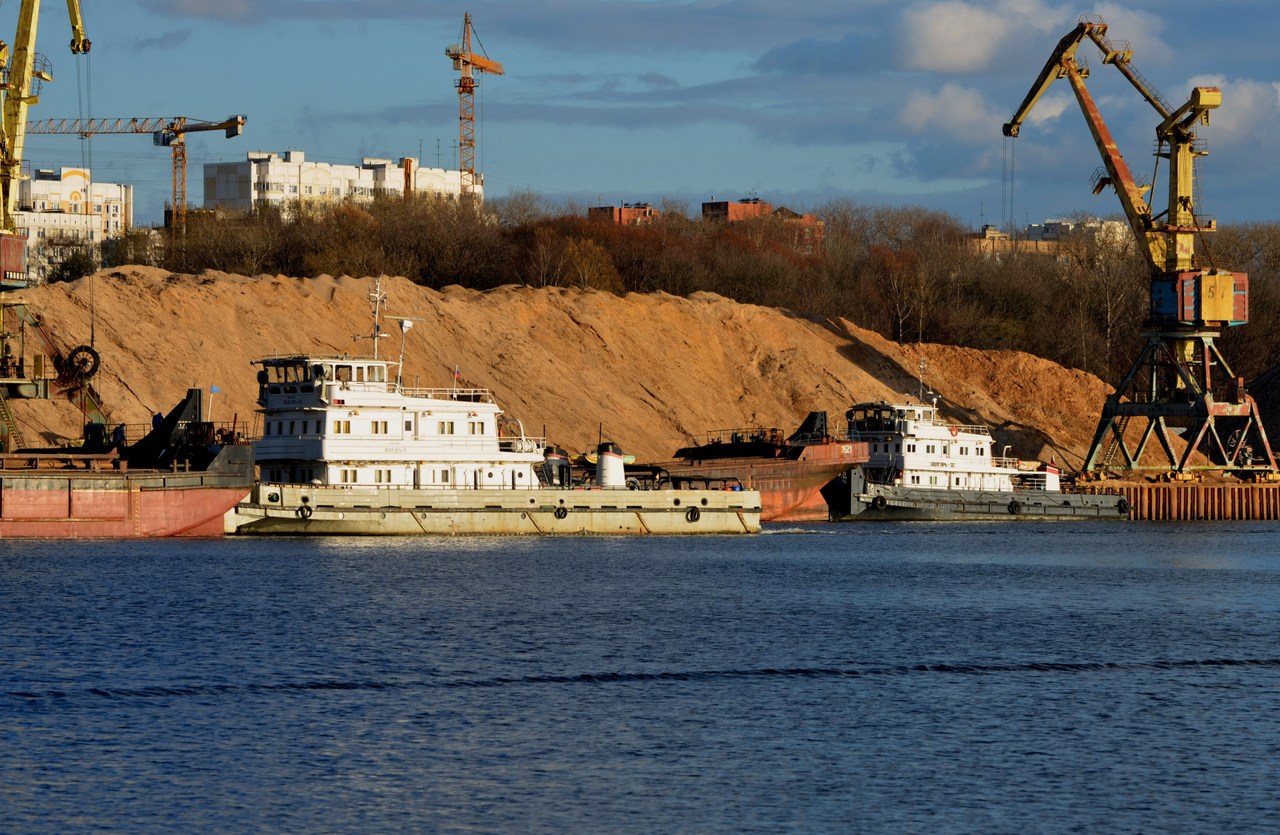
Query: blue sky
{"x": 886, "y": 103}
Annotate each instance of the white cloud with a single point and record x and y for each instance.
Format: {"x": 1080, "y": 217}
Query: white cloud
{"x": 951, "y": 36}
{"x": 955, "y": 36}
{"x": 955, "y": 111}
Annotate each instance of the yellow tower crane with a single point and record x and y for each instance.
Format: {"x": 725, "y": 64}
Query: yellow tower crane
{"x": 166, "y": 131}
{"x": 23, "y": 71}
{"x": 468, "y": 63}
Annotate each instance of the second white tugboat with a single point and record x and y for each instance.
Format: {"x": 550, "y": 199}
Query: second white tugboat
{"x": 346, "y": 449}
{"x": 922, "y": 467}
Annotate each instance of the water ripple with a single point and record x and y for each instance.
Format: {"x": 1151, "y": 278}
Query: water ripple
{"x": 660, "y": 676}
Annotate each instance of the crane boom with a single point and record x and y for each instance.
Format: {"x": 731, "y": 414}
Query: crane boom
{"x": 79, "y": 43}
{"x": 1168, "y": 245}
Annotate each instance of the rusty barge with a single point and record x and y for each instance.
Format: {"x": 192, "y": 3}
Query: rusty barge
{"x": 789, "y": 472}
{"x": 179, "y": 480}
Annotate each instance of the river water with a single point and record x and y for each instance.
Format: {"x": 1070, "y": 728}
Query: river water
{"x": 918, "y": 677}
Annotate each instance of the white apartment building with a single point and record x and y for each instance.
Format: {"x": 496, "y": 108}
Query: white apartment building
{"x": 268, "y": 179}
{"x": 64, "y": 191}
{"x": 55, "y": 218}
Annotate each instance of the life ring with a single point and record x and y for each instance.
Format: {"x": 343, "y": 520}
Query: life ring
{"x": 878, "y": 503}
{"x": 955, "y": 430}
{"x": 1123, "y": 506}
{"x": 693, "y": 514}
{"x": 561, "y": 512}
{"x": 1015, "y": 507}
{"x": 303, "y": 511}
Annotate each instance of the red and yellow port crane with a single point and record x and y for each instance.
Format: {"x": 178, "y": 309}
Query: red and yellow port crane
{"x": 1180, "y": 382}
{"x": 468, "y": 63}
{"x": 166, "y": 131}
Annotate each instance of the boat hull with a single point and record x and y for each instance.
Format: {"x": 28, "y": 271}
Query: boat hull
{"x": 333, "y": 510}
{"x": 879, "y": 502}
{"x": 789, "y": 490}
{"x": 790, "y": 487}
{"x": 126, "y": 505}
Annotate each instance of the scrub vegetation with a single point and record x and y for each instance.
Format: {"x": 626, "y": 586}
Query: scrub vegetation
{"x": 909, "y": 274}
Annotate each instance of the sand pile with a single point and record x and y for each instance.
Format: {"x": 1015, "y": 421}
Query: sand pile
{"x": 646, "y": 371}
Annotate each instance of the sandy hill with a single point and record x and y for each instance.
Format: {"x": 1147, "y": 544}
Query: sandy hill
{"x": 646, "y": 371}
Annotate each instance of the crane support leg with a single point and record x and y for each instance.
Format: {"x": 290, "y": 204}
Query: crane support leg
{"x": 1174, "y": 386}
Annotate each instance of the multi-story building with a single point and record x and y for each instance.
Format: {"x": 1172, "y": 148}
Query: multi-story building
{"x": 64, "y": 191}
{"x": 265, "y": 179}
{"x": 57, "y": 219}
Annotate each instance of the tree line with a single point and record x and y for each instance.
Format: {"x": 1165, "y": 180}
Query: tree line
{"x": 908, "y": 273}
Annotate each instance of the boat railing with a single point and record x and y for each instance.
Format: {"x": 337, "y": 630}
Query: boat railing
{"x": 972, "y": 429}
{"x": 808, "y": 438}
{"x": 1006, "y": 463}
{"x": 521, "y": 444}
{"x": 460, "y": 395}
{"x": 738, "y": 436}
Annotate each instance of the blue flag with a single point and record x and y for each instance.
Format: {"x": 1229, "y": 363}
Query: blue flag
{"x": 214, "y": 389}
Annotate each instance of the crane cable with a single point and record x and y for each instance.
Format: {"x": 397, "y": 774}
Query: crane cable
{"x": 84, "y": 102}
{"x": 1006, "y": 184}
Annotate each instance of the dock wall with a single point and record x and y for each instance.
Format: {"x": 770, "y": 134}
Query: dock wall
{"x": 1190, "y": 502}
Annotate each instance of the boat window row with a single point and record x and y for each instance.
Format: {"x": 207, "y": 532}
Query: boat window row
{"x": 294, "y": 427}
{"x": 297, "y": 373}
{"x": 303, "y": 475}
{"x": 376, "y": 427}
{"x": 929, "y": 449}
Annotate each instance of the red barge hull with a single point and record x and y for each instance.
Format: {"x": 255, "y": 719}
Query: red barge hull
{"x": 179, "y": 480}
{"x": 132, "y": 506}
{"x": 789, "y": 474}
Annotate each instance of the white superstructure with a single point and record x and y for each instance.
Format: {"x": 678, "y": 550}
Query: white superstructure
{"x": 330, "y": 420}
{"x": 911, "y": 446}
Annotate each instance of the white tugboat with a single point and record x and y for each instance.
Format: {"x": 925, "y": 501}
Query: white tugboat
{"x": 922, "y": 467}
{"x": 347, "y": 449}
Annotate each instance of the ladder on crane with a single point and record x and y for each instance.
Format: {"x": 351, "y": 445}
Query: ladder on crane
{"x": 9, "y": 427}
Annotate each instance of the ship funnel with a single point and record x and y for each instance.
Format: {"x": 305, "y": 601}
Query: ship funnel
{"x": 555, "y": 468}
{"x": 610, "y": 471}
